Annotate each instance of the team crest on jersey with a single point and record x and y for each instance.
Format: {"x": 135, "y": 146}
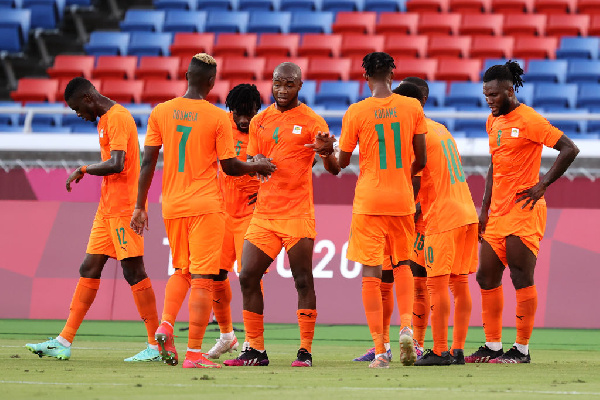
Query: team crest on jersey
{"x": 499, "y": 137}
{"x": 101, "y": 133}
{"x": 297, "y": 130}
{"x": 514, "y": 132}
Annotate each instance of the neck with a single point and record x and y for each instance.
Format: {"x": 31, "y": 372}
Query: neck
{"x": 103, "y": 105}
{"x": 195, "y": 93}
{"x": 381, "y": 90}
{"x": 288, "y": 107}
{"x": 513, "y": 104}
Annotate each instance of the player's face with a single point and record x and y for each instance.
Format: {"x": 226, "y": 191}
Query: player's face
{"x": 83, "y": 106}
{"x": 242, "y": 121}
{"x": 285, "y": 90}
{"x": 497, "y": 96}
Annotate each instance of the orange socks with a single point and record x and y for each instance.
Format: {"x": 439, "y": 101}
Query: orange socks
{"x": 371, "y": 295}
{"x": 405, "y": 288}
{"x": 492, "y": 303}
{"x": 459, "y": 285}
{"x": 143, "y": 295}
{"x": 440, "y": 311}
{"x": 526, "y": 306}
{"x": 222, "y": 305}
{"x": 175, "y": 292}
{"x": 200, "y": 305}
{"x": 255, "y": 329}
{"x": 420, "y": 310}
{"x": 306, "y": 323}
{"x": 84, "y": 296}
{"x": 387, "y": 300}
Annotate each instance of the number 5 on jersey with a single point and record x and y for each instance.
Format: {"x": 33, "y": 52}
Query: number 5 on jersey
{"x": 185, "y": 134}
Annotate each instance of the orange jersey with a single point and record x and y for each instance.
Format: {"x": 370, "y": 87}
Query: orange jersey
{"x": 385, "y": 129}
{"x": 117, "y": 131}
{"x": 516, "y": 141}
{"x": 194, "y": 134}
{"x": 445, "y": 196}
{"x": 288, "y": 194}
{"x": 237, "y": 189}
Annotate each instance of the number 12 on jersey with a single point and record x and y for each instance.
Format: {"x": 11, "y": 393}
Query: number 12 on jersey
{"x": 185, "y": 134}
{"x": 379, "y": 128}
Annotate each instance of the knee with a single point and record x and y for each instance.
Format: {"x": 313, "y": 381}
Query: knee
{"x": 521, "y": 278}
{"x": 248, "y": 281}
{"x": 133, "y": 272}
{"x": 304, "y": 283}
{"x": 485, "y": 281}
{"x": 89, "y": 270}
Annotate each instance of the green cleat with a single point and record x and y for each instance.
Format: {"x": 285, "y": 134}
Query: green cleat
{"x": 50, "y": 348}
{"x": 146, "y": 355}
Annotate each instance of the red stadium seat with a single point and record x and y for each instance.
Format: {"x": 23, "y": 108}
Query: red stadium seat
{"x": 567, "y": 25}
{"x": 265, "y": 87}
{"x": 219, "y": 92}
{"x": 161, "y": 91}
{"x": 184, "y": 63}
{"x": 188, "y": 44}
{"x": 72, "y": 66}
{"x": 555, "y": 6}
{"x": 235, "y": 44}
{"x": 355, "y": 22}
{"x": 439, "y": 24}
{"x": 535, "y": 47}
{"x": 34, "y": 89}
{"x": 588, "y": 6}
{"x": 512, "y": 6}
{"x": 273, "y": 62}
{"x": 123, "y": 91}
{"x": 402, "y": 46}
{"x": 458, "y": 70}
{"x": 481, "y": 24}
{"x": 360, "y": 45}
{"x": 470, "y": 6}
{"x": 318, "y": 45}
{"x": 449, "y": 46}
{"x": 277, "y": 44}
{"x": 62, "y": 85}
{"x": 153, "y": 67}
{"x": 328, "y": 69}
{"x": 594, "y": 28}
{"x": 397, "y": 23}
{"x": 524, "y": 24}
{"x": 116, "y": 67}
{"x": 487, "y": 47}
{"x": 243, "y": 68}
{"x": 356, "y": 69}
{"x": 420, "y": 6}
{"x": 424, "y": 69}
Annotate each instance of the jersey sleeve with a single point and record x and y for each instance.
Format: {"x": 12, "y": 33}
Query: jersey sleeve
{"x": 421, "y": 126}
{"x": 542, "y": 131}
{"x": 252, "y": 148}
{"x": 224, "y": 139}
{"x": 349, "y": 136}
{"x": 319, "y": 126}
{"x": 153, "y": 135}
{"x": 118, "y": 130}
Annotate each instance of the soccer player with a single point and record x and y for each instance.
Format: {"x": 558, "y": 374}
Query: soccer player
{"x": 284, "y": 215}
{"x": 512, "y": 219}
{"x": 450, "y": 241}
{"x": 194, "y": 134}
{"x": 111, "y": 236}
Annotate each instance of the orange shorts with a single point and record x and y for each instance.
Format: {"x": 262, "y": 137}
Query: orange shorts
{"x": 528, "y": 225}
{"x": 196, "y": 242}
{"x": 452, "y": 252}
{"x": 371, "y": 236}
{"x": 235, "y": 229}
{"x": 271, "y": 235}
{"x": 114, "y": 238}
{"x": 418, "y": 254}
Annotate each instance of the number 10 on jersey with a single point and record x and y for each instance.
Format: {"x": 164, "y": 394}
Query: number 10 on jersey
{"x": 379, "y": 128}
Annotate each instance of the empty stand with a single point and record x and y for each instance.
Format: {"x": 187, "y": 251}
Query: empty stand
{"x": 298, "y": 5}
{"x": 395, "y": 23}
{"x": 107, "y": 43}
{"x": 243, "y": 68}
{"x": 588, "y": 6}
{"x": 269, "y": 21}
{"x": 143, "y": 20}
{"x": 337, "y": 94}
{"x": 33, "y": 89}
{"x": 341, "y": 5}
{"x": 525, "y": 24}
{"x": 458, "y": 70}
{"x": 123, "y": 91}
{"x": 401, "y": 46}
{"x": 219, "y": 92}
{"x": 449, "y": 46}
{"x": 66, "y": 66}
{"x": 149, "y": 43}
{"x": 231, "y": 44}
{"x": 589, "y": 96}
{"x": 274, "y": 44}
{"x": 45, "y": 14}
{"x": 424, "y": 69}
{"x": 311, "y": 22}
{"x": 273, "y": 62}
{"x": 185, "y": 21}
{"x": 356, "y": 45}
{"x": 535, "y": 47}
{"x": 316, "y": 45}
{"x": 153, "y": 68}
{"x": 175, "y": 4}
{"x": 470, "y": 6}
{"x": 553, "y": 71}
{"x": 465, "y": 94}
{"x": 512, "y": 6}
{"x": 437, "y": 93}
{"x": 439, "y": 24}
{"x": 189, "y": 44}
{"x": 420, "y": 6}
{"x": 481, "y": 24}
{"x": 227, "y": 21}
{"x": 583, "y": 71}
{"x": 14, "y": 29}
{"x": 488, "y": 47}
{"x": 563, "y": 25}
{"x": 215, "y": 5}
{"x": 355, "y": 22}
{"x": 555, "y": 6}
{"x": 328, "y": 68}
{"x": 159, "y": 91}
{"x": 308, "y": 92}
{"x": 594, "y": 28}
{"x": 115, "y": 67}
{"x": 578, "y": 48}
{"x": 385, "y": 5}
{"x": 555, "y": 95}
{"x": 257, "y": 5}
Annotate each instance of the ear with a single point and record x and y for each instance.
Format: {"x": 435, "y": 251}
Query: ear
{"x": 186, "y": 76}
{"x": 300, "y": 85}
{"x": 211, "y": 82}
{"x": 365, "y": 76}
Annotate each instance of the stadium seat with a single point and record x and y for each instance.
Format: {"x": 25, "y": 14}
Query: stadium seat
{"x": 589, "y": 95}
{"x": 355, "y": 22}
{"x": 189, "y": 44}
{"x": 570, "y": 127}
{"x": 123, "y": 91}
{"x": 481, "y": 24}
{"x": 232, "y": 44}
{"x": 152, "y": 68}
{"x": 143, "y": 20}
{"x": 594, "y": 28}
{"x": 175, "y": 4}
{"x": 50, "y": 129}
{"x": 553, "y": 71}
{"x": 45, "y": 14}
{"x": 588, "y": 6}
{"x": 274, "y": 44}
{"x": 249, "y": 68}
{"x": 563, "y": 25}
{"x": 311, "y": 22}
{"x": 492, "y": 47}
{"x": 470, "y": 6}
{"x": 500, "y": 61}
{"x": 524, "y": 24}
{"x": 87, "y": 129}
{"x": 458, "y": 70}
{"x": 149, "y": 43}
{"x": 512, "y": 6}
{"x": 421, "y": 6}
{"x": 337, "y": 94}
{"x": 357, "y": 45}
{"x": 62, "y": 85}
{"x": 474, "y": 127}
{"x": 328, "y": 69}
{"x": 162, "y": 90}
{"x": 555, "y": 6}
{"x": 385, "y": 5}
{"x": 474, "y": 133}
{"x": 535, "y": 47}
{"x": 465, "y": 94}
{"x": 107, "y": 43}
{"x": 40, "y": 121}
{"x": 578, "y": 48}
{"x": 140, "y": 113}
{"x": 115, "y": 67}
{"x": 525, "y": 94}
{"x": 402, "y": 46}
{"x": 437, "y": 93}
{"x": 215, "y": 5}
{"x": 316, "y": 45}
{"x": 257, "y": 5}
{"x": 66, "y": 66}
{"x": 424, "y": 69}
{"x": 269, "y": 21}
{"x": 337, "y": 6}
{"x": 438, "y": 24}
{"x": 449, "y": 46}
{"x": 14, "y": 29}
{"x": 299, "y": 5}
{"x": 397, "y": 23}
{"x": 583, "y": 71}
{"x": 219, "y": 92}
{"x": 308, "y": 92}
{"x": 35, "y": 89}
{"x": 273, "y": 62}
{"x": 9, "y": 119}
{"x": 555, "y": 95}
{"x": 356, "y": 70}
{"x": 185, "y": 21}
{"x": 227, "y": 21}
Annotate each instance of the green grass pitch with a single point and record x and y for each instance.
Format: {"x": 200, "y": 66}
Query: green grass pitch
{"x": 565, "y": 363}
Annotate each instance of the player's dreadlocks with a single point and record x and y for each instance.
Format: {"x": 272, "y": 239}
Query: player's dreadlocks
{"x": 77, "y": 85}
{"x": 378, "y": 64}
{"x": 243, "y": 99}
{"x": 511, "y": 71}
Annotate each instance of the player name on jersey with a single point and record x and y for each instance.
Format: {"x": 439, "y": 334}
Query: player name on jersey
{"x": 185, "y": 115}
{"x": 381, "y": 113}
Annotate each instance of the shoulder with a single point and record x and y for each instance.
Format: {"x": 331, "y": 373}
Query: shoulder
{"x": 311, "y": 115}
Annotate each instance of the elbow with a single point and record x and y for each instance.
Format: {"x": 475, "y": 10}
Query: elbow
{"x": 118, "y": 168}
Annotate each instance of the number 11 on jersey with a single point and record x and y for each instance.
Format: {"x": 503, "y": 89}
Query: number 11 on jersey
{"x": 382, "y": 145}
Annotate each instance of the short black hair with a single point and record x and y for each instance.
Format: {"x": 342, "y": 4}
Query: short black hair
{"x": 409, "y": 89}
{"x": 77, "y": 85}
{"x": 202, "y": 67}
{"x": 243, "y": 99}
{"x": 421, "y": 83}
{"x": 378, "y": 64}
{"x": 511, "y": 71}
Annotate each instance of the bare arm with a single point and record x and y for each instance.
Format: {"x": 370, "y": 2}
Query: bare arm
{"x": 487, "y": 199}
{"x": 139, "y": 219}
{"x": 420, "y": 149}
{"x": 234, "y": 167}
{"x": 331, "y": 164}
{"x": 113, "y": 165}
{"x": 344, "y": 159}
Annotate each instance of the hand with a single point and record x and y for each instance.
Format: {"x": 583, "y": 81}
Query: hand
{"x": 323, "y": 144}
{"x": 531, "y": 195}
{"x": 139, "y": 221}
{"x": 264, "y": 168}
{"x": 75, "y": 176}
{"x": 483, "y": 220}
{"x": 252, "y": 198}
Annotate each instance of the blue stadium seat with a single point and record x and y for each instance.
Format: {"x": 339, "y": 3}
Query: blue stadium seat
{"x": 81, "y": 3}
{"x": 489, "y": 62}
{"x": 570, "y": 127}
{"x": 7, "y": 4}
{"x": 583, "y": 71}
{"x": 269, "y": 22}
{"x": 525, "y": 94}
{"x": 578, "y": 47}
{"x": 149, "y": 44}
{"x": 14, "y": 29}
{"x": 175, "y": 4}
{"x": 308, "y": 92}
{"x": 43, "y": 120}
{"x": 10, "y": 119}
{"x": 11, "y": 129}
{"x": 88, "y": 128}
{"x": 335, "y": 125}
{"x": 185, "y": 21}
{"x": 141, "y": 120}
{"x": 215, "y": 5}
{"x": 107, "y": 43}
{"x": 446, "y": 121}
{"x": 333, "y": 94}
{"x": 143, "y": 20}
{"x": 342, "y": 5}
{"x": 471, "y": 126}
{"x": 311, "y": 22}
{"x": 476, "y": 133}
{"x": 72, "y": 120}
{"x": 258, "y": 5}
{"x": 300, "y": 5}
{"x": 555, "y": 95}
{"x": 227, "y": 21}
{"x": 589, "y": 96}
{"x": 385, "y": 5}
{"x": 437, "y": 93}
{"x": 45, "y": 13}
{"x": 465, "y": 94}
{"x": 553, "y": 71}
{"x": 50, "y": 129}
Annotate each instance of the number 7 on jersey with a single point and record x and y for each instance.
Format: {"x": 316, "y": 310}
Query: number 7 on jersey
{"x": 185, "y": 134}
